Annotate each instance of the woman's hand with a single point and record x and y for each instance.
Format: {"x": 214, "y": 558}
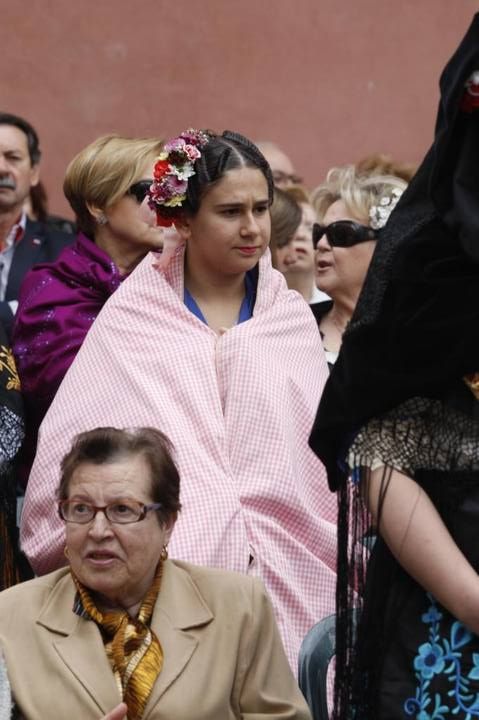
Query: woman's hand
{"x": 118, "y": 713}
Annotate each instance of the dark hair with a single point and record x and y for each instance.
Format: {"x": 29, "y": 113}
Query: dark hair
{"x": 39, "y": 202}
{"x": 224, "y": 152}
{"x": 30, "y": 132}
{"x": 108, "y": 444}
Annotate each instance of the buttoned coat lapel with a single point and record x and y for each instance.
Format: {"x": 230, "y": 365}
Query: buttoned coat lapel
{"x": 179, "y": 608}
{"x": 79, "y": 646}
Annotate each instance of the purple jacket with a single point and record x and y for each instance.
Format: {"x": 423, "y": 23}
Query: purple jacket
{"x": 58, "y": 303}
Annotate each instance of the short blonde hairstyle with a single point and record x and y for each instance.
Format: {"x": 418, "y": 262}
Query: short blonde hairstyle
{"x": 358, "y": 191}
{"x": 102, "y": 172}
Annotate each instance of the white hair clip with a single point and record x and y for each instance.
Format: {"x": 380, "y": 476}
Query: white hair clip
{"x": 472, "y": 83}
{"x": 379, "y": 214}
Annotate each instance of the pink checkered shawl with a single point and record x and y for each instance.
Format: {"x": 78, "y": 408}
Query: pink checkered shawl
{"x": 238, "y": 407}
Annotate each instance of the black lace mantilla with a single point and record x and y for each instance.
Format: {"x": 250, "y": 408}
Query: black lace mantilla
{"x": 421, "y": 433}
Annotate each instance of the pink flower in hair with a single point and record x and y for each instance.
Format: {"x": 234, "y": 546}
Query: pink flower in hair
{"x": 174, "y": 167}
{"x": 195, "y": 137}
{"x": 175, "y": 144}
{"x": 192, "y": 152}
{"x": 159, "y": 193}
{"x": 174, "y": 185}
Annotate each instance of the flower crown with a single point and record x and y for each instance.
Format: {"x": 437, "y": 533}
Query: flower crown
{"x": 379, "y": 214}
{"x": 172, "y": 170}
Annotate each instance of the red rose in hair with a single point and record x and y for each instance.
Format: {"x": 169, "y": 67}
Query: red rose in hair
{"x": 469, "y": 102}
{"x": 161, "y": 168}
{"x": 163, "y": 221}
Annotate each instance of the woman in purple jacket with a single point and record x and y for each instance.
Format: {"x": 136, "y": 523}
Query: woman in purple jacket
{"x": 105, "y": 184}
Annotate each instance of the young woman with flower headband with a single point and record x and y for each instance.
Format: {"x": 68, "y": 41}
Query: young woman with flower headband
{"x": 206, "y": 342}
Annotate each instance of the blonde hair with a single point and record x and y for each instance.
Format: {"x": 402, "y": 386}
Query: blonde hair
{"x": 382, "y": 164}
{"x": 360, "y": 192}
{"x": 102, "y": 172}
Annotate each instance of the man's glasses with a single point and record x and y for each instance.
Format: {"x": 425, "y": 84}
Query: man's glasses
{"x": 343, "y": 233}
{"x": 140, "y": 190}
{"x": 121, "y": 512}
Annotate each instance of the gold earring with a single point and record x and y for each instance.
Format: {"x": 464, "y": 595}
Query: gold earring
{"x": 164, "y": 553}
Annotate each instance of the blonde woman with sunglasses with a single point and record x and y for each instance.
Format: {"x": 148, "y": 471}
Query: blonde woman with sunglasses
{"x": 105, "y": 185}
{"x": 352, "y": 208}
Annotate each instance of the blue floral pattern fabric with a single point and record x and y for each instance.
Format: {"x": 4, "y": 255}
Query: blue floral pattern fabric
{"x": 445, "y": 668}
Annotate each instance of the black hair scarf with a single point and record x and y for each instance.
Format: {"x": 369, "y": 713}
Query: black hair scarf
{"x": 397, "y": 391}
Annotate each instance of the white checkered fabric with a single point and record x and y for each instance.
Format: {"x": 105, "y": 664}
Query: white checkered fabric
{"x": 238, "y": 408}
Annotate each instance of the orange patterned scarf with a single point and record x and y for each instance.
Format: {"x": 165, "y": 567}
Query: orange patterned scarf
{"x": 134, "y": 651}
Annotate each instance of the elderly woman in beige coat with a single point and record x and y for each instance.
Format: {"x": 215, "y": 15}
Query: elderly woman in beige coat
{"x": 123, "y": 624}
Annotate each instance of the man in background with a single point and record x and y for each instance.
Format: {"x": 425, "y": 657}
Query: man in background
{"x": 23, "y": 242}
{"x": 284, "y": 174}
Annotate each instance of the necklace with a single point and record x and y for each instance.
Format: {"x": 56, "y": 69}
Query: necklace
{"x": 340, "y": 328}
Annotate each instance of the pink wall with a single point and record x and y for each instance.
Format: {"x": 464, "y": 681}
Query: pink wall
{"x": 330, "y": 81}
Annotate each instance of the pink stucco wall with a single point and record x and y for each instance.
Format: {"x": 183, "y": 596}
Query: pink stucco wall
{"x": 330, "y": 81}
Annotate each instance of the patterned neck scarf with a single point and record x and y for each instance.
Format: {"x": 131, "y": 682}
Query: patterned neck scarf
{"x": 133, "y": 650}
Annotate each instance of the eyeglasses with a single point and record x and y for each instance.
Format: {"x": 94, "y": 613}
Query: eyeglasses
{"x": 343, "y": 233}
{"x": 121, "y": 512}
{"x": 140, "y": 190}
{"x": 282, "y": 178}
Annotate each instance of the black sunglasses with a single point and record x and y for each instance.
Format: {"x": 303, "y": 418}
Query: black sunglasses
{"x": 343, "y": 233}
{"x": 140, "y": 190}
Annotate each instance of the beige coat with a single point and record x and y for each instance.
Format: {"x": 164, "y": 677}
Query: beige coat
{"x": 223, "y": 657}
